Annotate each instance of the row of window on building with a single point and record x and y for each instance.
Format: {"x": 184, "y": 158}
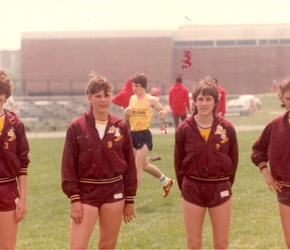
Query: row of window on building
{"x": 248, "y": 42}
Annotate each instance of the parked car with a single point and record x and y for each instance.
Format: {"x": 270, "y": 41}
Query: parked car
{"x": 243, "y": 105}
{"x": 255, "y": 102}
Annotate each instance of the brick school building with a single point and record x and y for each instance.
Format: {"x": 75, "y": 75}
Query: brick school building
{"x": 246, "y": 59}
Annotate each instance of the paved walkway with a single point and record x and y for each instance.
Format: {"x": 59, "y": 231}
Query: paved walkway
{"x": 61, "y": 134}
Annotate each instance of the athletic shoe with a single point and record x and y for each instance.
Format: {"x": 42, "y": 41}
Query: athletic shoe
{"x": 166, "y": 189}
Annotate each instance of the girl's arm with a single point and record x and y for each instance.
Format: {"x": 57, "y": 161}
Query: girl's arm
{"x": 21, "y": 202}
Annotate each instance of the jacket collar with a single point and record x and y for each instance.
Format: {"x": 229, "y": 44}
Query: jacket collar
{"x": 112, "y": 119}
{"x": 10, "y": 117}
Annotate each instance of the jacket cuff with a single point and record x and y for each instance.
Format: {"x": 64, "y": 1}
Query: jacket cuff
{"x": 75, "y": 198}
{"x": 23, "y": 171}
{"x": 129, "y": 200}
{"x": 262, "y": 165}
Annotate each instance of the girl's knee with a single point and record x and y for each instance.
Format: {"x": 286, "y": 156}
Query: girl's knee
{"x": 194, "y": 243}
{"x": 107, "y": 244}
{"x": 221, "y": 244}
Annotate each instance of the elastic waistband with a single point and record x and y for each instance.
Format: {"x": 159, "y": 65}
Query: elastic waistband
{"x": 101, "y": 181}
{"x": 139, "y": 131}
{"x": 284, "y": 184}
{"x": 210, "y": 179}
{"x": 7, "y": 180}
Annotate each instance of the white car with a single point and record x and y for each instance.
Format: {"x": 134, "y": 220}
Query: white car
{"x": 243, "y": 105}
{"x": 254, "y": 101}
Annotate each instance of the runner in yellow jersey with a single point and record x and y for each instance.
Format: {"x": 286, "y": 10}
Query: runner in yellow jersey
{"x": 139, "y": 114}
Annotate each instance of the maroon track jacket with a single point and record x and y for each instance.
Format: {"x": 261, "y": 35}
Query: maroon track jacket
{"x": 85, "y": 155}
{"x": 216, "y": 158}
{"x": 14, "y": 148}
{"x": 273, "y": 146}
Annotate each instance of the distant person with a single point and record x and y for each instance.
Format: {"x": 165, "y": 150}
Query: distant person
{"x": 139, "y": 114}
{"x": 14, "y": 160}
{"x": 122, "y": 98}
{"x": 206, "y": 160}
{"x": 98, "y": 170}
{"x": 221, "y": 110}
{"x": 273, "y": 147}
{"x": 10, "y": 104}
{"x": 155, "y": 91}
{"x": 179, "y": 101}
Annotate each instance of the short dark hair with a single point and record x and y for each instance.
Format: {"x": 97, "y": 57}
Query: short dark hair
{"x": 206, "y": 87}
{"x": 178, "y": 79}
{"x": 98, "y": 83}
{"x": 141, "y": 79}
{"x": 215, "y": 80}
{"x": 284, "y": 86}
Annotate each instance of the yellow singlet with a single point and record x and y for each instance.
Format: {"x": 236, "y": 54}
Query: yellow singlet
{"x": 204, "y": 132}
{"x": 142, "y": 113}
{"x": 2, "y": 120}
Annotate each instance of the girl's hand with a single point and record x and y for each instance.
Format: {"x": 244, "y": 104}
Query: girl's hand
{"x": 272, "y": 183}
{"x": 20, "y": 211}
{"x": 77, "y": 212}
{"x": 129, "y": 213}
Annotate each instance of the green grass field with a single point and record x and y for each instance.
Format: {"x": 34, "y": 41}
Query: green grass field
{"x": 159, "y": 224}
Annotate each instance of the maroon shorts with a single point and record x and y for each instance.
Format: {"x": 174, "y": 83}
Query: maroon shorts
{"x": 284, "y": 196}
{"x": 206, "y": 193}
{"x": 98, "y": 194}
{"x": 8, "y": 196}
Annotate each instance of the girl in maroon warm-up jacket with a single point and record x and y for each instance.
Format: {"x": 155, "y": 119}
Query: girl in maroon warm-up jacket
{"x": 98, "y": 170}
{"x": 273, "y": 147}
{"x": 206, "y": 160}
{"x": 14, "y": 161}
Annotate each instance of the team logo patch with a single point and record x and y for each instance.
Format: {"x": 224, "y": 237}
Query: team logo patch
{"x": 11, "y": 134}
{"x": 223, "y": 132}
{"x": 116, "y": 131}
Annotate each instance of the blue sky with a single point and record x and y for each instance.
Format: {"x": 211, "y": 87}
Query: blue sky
{"x": 65, "y": 15}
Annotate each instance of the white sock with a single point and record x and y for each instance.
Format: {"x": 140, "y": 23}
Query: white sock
{"x": 164, "y": 180}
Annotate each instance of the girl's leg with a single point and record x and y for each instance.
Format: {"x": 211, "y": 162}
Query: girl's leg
{"x": 110, "y": 219}
{"x": 193, "y": 217}
{"x": 8, "y": 230}
{"x": 80, "y": 233}
{"x": 285, "y": 220}
{"x": 220, "y": 217}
